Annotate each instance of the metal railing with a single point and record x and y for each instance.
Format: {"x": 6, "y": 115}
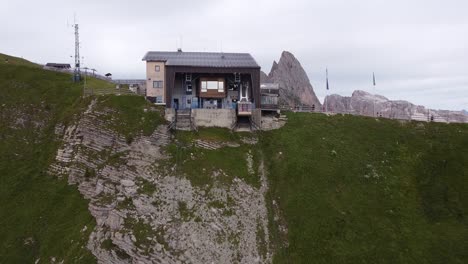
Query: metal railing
{"x": 173, "y": 124}
{"x": 92, "y": 91}
{"x": 430, "y": 116}
{"x": 71, "y": 71}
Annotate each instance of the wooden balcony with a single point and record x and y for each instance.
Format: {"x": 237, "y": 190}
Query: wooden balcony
{"x": 212, "y": 94}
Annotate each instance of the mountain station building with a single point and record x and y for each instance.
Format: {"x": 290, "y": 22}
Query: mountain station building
{"x": 204, "y": 82}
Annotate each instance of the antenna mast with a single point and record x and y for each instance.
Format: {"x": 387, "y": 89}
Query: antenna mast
{"x": 77, "y": 73}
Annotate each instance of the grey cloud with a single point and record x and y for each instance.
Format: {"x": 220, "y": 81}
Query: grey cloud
{"x": 417, "y": 48}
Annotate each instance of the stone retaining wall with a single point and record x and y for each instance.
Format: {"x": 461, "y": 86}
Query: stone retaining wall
{"x": 214, "y": 117}
{"x": 257, "y": 116}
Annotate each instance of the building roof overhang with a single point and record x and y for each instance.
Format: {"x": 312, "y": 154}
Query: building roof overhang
{"x": 202, "y": 59}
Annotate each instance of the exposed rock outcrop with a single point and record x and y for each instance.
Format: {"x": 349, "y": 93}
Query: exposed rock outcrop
{"x": 263, "y": 77}
{"x": 295, "y": 87}
{"x": 366, "y": 104}
{"x": 148, "y": 213}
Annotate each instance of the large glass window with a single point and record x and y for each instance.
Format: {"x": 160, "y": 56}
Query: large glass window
{"x": 157, "y": 84}
{"x": 157, "y": 68}
{"x": 212, "y": 85}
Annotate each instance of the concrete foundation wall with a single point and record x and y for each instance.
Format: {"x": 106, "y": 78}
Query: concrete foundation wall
{"x": 214, "y": 117}
{"x": 257, "y": 116}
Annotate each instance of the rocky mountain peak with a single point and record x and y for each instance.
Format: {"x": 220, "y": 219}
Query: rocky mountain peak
{"x": 274, "y": 67}
{"x": 289, "y": 57}
{"x": 360, "y": 93}
{"x": 264, "y": 77}
{"x": 295, "y": 87}
{"x": 368, "y": 96}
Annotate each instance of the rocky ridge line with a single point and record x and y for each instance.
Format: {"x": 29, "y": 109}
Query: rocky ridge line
{"x": 362, "y": 103}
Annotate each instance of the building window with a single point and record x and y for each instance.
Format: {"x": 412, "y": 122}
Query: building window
{"x": 157, "y": 84}
{"x": 157, "y": 68}
{"x": 212, "y": 85}
{"x": 220, "y": 87}
{"x": 203, "y": 86}
{"x": 159, "y": 99}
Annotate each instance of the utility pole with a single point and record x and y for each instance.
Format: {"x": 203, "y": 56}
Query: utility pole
{"x": 86, "y": 73}
{"x": 373, "y": 80}
{"x": 326, "y": 93}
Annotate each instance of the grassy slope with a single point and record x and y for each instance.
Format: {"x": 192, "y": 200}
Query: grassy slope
{"x": 15, "y": 61}
{"x": 40, "y": 215}
{"x": 357, "y": 190}
{"x": 131, "y": 115}
{"x": 198, "y": 164}
{"x": 99, "y": 86}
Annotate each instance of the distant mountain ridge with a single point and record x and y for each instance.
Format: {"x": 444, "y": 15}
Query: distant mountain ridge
{"x": 295, "y": 87}
{"x": 363, "y": 103}
{"x": 296, "y": 90}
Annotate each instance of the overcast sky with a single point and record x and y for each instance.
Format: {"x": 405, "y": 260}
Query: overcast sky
{"x": 417, "y": 48}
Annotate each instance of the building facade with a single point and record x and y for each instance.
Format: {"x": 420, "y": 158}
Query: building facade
{"x": 65, "y": 66}
{"x": 203, "y": 80}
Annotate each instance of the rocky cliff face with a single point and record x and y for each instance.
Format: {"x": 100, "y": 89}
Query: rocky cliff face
{"x": 366, "y": 104}
{"x": 147, "y": 211}
{"x": 295, "y": 87}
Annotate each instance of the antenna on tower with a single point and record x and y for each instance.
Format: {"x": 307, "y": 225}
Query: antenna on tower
{"x": 77, "y": 72}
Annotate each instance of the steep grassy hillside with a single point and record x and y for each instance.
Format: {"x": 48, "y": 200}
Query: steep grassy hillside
{"x": 41, "y": 216}
{"x": 360, "y": 190}
{"x": 10, "y": 60}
